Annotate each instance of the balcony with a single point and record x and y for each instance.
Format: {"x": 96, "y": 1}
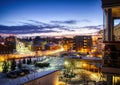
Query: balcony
{"x": 110, "y": 70}
{"x": 111, "y": 63}
{"x": 111, "y": 59}
{"x": 110, "y": 3}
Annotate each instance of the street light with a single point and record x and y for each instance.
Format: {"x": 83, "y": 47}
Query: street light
{"x": 66, "y": 63}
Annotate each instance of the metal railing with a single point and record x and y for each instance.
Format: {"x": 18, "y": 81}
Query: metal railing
{"x": 111, "y": 54}
{"x": 114, "y": 63}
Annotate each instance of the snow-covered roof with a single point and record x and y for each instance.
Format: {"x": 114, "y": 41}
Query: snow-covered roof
{"x": 27, "y": 78}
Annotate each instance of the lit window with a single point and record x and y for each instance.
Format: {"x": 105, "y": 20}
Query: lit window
{"x": 85, "y": 40}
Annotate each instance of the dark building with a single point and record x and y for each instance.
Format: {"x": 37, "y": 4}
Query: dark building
{"x": 67, "y": 43}
{"x": 52, "y": 46}
{"x": 111, "y": 59}
{"x": 38, "y": 44}
{"x": 10, "y": 44}
{"x": 7, "y": 45}
{"x": 1, "y": 40}
{"x": 82, "y": 43}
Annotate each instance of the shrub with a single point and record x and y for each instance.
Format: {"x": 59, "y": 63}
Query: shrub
{"x": 29, "y": 61}
{"x": 13, "y": 64}
{"x": 24, "y": 61}
{"x": 42, "y": 65}
{"x": 5, "y": 66}
{"x": 20, "y": 64}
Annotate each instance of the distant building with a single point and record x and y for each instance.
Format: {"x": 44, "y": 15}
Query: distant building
{"x": 97, "y": 46}
{"x": 52, "y": 46}
{"x": 10, "y": 44}
{"x": 7, "y": 45}
{"x": 82, "y": 43}
{"x": 100, "y": 45}
{"x": 28, "y": 42}
{"x": 67, "y": 44}
{"x": 38, "y": 44}
{"x": 1, "y": 40}
{"x": 117, "y": 32}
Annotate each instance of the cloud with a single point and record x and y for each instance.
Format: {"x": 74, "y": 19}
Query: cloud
{"x": 65, "y": 22}
{"x": 71, "y": 22}
{"x": 24, "y": 29}
{"x": 38, "y": 22}
{"x": 85, "y": 20}
{"x": 98, "y": 27}
{"x": 34, "y": 27}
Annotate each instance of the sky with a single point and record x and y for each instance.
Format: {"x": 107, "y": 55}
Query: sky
{"x": 72, "y": 15}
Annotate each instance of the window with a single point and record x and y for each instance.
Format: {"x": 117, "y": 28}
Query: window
{"x": 116, "y": 30}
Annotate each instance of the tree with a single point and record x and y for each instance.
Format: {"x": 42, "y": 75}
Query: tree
{"x": 29, "y": 61}
{"x": 20, "y": 64}
{"x": 35, "y": 61}
{"x": 24, "y": 61}
{"x": 5, "y": 66}
{"x": 13, "y": 64}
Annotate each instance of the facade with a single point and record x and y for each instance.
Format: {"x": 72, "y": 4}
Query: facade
{"x": 52, "y": 46}
{"x": 97, "y": 44}
{"x": 111, "y": 59}
{"x": 28, "y": 42}
{"x": 78, "y": 63}
{"x": 38, "y": 44}
{"x": 83, "y": 43}
{"x": 100, "y": 45}
{"x": 117, "y": 32}
{"x": 7, "y": 45}
{"x": 67, "y": 43}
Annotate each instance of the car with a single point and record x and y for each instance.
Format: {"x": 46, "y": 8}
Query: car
{"x": 12, "y": 74}
{"x": 25, "y": 70}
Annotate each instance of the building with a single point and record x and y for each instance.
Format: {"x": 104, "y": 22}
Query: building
{"x": 117, "y": 32}
{"x": 28, "y": 43}
{"x": 67, "y": 44}
{"x": 38, "y": 44}
{"x": 52, "y": 46}
{"x": 100, "y": 45}
{"x": 111, "y": 59}
{"x": 10, "y": 44}
{"x": 79, "y": 63}
{"x": 83, "y": 43}
{"x": 1, "y": 40}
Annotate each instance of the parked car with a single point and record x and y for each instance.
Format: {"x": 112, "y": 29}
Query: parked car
{"x": 25, "y": 70}
{"x": 17, "y": 73}
{"x": 12, "y": 74}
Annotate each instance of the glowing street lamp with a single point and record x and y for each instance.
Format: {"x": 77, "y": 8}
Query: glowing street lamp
{"x": 66, "y": 63}
{"x": 84, "y": 64}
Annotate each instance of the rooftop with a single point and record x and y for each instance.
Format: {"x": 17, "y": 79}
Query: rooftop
{"x": 27, "y": 78}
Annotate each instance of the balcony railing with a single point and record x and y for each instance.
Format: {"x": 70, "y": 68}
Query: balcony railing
{"x": 111, "y": 63}
{"x": 111, "y": 55}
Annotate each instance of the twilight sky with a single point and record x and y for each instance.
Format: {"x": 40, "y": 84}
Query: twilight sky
{"x": 69, "y": 15}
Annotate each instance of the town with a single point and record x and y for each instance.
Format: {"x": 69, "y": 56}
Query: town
{"x": 60, "y": 52}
